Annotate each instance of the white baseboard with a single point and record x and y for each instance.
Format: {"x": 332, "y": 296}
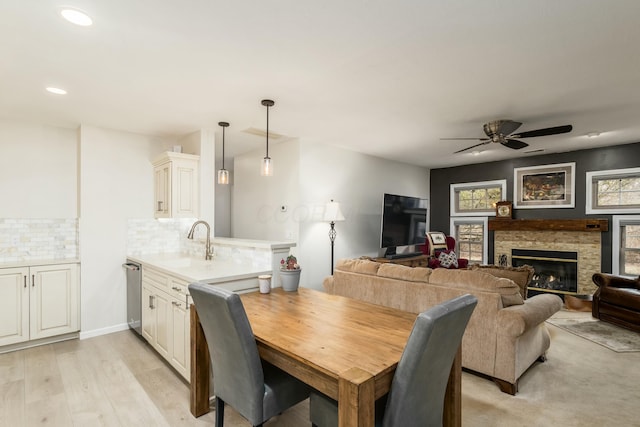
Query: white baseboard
{"x": 103, "y": 331}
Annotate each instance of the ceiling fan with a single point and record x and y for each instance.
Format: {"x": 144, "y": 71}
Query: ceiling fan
{"x": 501, "y": 131}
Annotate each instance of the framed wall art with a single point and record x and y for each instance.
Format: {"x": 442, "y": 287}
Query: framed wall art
{"x": 438, "y": 238}
{"x": 544, "y": 187}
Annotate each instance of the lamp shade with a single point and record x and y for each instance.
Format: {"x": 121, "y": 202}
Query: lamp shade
{"x": 223, "y": 176}
{"x": 267, "y": 167}
{"x": 332, "y": 212}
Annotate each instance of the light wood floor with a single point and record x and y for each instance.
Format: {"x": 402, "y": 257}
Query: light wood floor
{"x": 112, "y": 380}
{"x": 118, "y": 380}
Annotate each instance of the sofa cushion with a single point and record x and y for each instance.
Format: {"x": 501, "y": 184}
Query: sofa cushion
{"x": 477, "y": 280}
{"x": 363, "y": 266}
{"x": 402, "y": 272}
{"x": 520, "y": 275}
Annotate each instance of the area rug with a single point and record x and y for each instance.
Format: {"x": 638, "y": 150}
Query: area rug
{"x": 613, "y": 337}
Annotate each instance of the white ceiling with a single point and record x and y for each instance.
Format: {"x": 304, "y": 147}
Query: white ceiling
{"x": 388, "y": 78}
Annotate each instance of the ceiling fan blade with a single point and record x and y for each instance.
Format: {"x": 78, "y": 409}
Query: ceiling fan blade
{"x": 507, "y": 127}
{"x": 544, "y": 132}
{"x": 460, "y": 139}
{"x": 473, "y": 146}
{"x": 514, "y": 144}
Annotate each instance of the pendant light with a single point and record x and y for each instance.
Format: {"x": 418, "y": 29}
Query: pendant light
{"x": 223, "y": 174}
{"x": 267, "y": 168}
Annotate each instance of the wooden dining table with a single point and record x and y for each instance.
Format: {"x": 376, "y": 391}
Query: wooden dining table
{"x": 345, "y": 348}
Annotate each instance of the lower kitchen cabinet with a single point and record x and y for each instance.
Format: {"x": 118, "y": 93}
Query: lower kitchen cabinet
{"x": 38, "y": 302}
{"x": 165, "y": 318}
{"x": 181, "y": 338}
{"x": 155, "y": 326}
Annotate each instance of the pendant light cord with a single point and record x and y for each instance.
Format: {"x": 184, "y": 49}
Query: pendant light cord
{"x": 223, "y": 147}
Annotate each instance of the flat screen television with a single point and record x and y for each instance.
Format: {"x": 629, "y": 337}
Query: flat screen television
{"x": 404, "y": 223}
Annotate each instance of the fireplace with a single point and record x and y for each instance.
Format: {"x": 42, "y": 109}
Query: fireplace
{"x": 555, "y": 271}
{"x": 575, "y": 235}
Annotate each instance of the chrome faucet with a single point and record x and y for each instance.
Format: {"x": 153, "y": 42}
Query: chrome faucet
{"x": 207, "y": 253}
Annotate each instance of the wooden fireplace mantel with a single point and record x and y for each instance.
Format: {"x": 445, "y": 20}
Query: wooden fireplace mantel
{"x": 595, "y": 225}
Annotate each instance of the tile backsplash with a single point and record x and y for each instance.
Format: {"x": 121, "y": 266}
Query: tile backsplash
{"x": 153, "y": 236}
{"x": 38, "y": 239}
{"x": 51, "y": 239}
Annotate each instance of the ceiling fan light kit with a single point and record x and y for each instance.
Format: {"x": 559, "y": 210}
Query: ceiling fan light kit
{"x": 502, "y": 132}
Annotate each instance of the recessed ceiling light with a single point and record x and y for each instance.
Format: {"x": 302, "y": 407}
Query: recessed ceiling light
{"x": 76, "y": 16}
{"x": 476, "y": 153}
{"x": 57, "y": 90}
{"x": 593, "y": 134}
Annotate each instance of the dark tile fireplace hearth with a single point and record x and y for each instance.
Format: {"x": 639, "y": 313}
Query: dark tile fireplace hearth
{"x": 555, "y": 271}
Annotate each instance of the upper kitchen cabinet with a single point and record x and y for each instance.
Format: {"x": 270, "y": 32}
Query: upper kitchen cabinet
{"x": 176, "y": 185}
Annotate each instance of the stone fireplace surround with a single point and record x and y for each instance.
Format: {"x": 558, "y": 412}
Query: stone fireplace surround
{"x": 581, "y": 236}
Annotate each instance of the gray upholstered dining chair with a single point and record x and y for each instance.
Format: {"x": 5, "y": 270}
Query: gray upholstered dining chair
{"x": 255, "y": 389}
{"x": 416, "y": 397}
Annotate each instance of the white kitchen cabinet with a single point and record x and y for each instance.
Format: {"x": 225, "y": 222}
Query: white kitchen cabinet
{"x": 176, "y": 192}
{"x": 165, "y": 318}
{"x": 148, "y": 313}
{"x": 14, "y": 305}
{"x": 38, "y": 302}
{"x": 155, "y": 319}
{"x": 181, "y": 338}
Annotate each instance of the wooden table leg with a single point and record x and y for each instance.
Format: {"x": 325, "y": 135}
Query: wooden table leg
{"x": 200, "y": 367}
{"x": 356, "y": 399}
{"x": 452, "y": 414}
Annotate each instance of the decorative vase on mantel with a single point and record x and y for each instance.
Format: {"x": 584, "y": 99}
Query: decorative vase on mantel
{"x": 290, "y": 274}
{"x": 290, "y": 279}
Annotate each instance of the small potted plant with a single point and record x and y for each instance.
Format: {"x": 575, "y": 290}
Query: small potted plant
{"x": 290, "y": 273}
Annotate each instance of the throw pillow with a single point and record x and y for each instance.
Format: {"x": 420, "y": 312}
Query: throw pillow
{"x": 448, "y": 259}
{"x": 521, "y": 275}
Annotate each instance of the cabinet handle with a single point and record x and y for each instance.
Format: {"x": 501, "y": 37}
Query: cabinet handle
{"x": 151, "y": 302}
{"x": 159, "y": 205}
{"x": 25, "y": 280}
{"x": 175, "y": 288}
{"x": 33, "y": 280}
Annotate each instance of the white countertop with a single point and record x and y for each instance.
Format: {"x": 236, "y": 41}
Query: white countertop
{"x": 196, "y": 269}
{"x": 250, "y": 243}
{"x": 36, "y": 262}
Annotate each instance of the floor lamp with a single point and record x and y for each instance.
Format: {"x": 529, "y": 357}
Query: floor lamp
{"x": 332, "y": 214}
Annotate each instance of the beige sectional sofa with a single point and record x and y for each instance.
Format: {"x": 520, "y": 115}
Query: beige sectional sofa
{"x": 505, "y": 334}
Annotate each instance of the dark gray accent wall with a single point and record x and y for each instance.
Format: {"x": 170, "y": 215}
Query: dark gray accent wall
{"x": 616, "y": 157}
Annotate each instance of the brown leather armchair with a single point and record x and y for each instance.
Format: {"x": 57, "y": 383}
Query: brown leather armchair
{"x": 617, "y": 300}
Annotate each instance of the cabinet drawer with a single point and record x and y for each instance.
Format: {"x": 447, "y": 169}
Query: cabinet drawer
{"x": 154, "y": 277}
{"x": 179, "y": 290}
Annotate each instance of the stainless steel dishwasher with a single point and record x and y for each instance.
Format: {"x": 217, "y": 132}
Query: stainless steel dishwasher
{"x": 134, "y": 295}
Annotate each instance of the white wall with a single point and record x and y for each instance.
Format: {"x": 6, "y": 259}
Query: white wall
{"x": 306, "y": 176}
{"x": 116, "y": 179}
{"x": 357, "y": 182}
{"x": 38, "y": 171}
{"x": 223, "y": 193}
{"x": 257, "y": 200}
